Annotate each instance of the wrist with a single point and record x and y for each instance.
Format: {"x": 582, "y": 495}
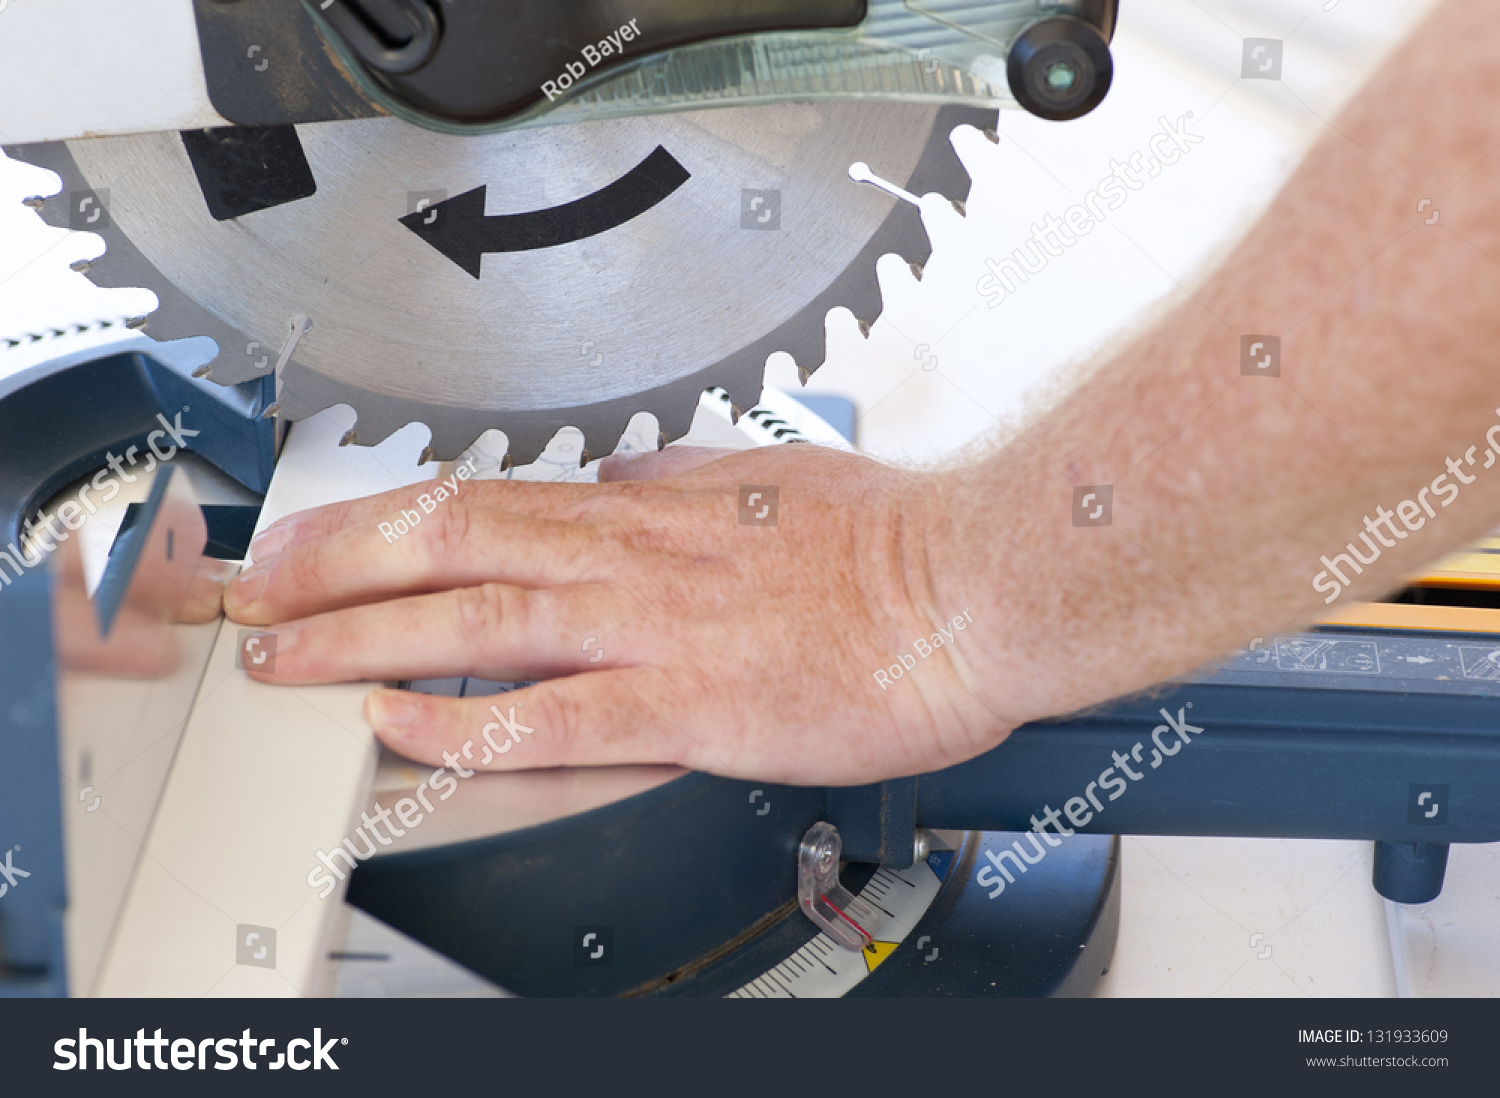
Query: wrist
{"x": 962, "y": 577}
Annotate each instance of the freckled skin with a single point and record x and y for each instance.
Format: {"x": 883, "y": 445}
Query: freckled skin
{"x": 696, "y": 613}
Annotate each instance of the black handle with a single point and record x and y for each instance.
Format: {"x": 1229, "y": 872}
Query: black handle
{"x": 473, "y": 61}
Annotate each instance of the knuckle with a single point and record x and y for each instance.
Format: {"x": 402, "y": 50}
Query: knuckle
{"x": 297, "y": 573}
{"x": 484, "y": 612}
{"x": 616, "y": 501}
{"x": 601, "y": 508}
{"x": 638, "y": 538}
{"x": 562, "y": 715}
{"x": 448, "y": 532}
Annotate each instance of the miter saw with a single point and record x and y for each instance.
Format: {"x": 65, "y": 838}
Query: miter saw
{"x": 478, "y": 214}
{"x": 459, "y": 217}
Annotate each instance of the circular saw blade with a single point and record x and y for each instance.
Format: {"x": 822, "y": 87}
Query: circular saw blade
{"x": 529, "y": 280}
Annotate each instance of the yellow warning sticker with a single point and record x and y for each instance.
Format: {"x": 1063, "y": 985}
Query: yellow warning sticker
{"x": 876, "y": 952}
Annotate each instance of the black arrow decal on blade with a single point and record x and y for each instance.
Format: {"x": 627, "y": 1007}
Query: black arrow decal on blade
{"x": 462, "y": 232}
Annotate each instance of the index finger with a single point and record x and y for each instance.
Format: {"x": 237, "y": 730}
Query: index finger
{"x": 519, "y": 497}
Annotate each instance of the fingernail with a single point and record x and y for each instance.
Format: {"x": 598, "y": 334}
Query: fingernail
{"x": 393, "y": 710}
{"x": 272, "y": 540}
{"x": 248, "y": 587}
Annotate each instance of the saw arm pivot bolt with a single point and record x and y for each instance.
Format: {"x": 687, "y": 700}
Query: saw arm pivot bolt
{"x": 1059, "y": 68}
{"x": 844, "y": 917}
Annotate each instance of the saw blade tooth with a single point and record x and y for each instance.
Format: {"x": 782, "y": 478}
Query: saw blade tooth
{"x": 675, "y": 422}
{"x": 121, "y": 266}
{"x": 904, "y": 234}
{"x": 170, "y": 323}
{"x": 446, "y": 445}
{"x": 171, "y": 327}
{"x": 488, "y": 441}
{"x": 450, "y": 440}
{"x": 720, "y": 395}
{"x": 865, "y": 300}
{"x": 804, "y": 338}
{"x": 105, "y": 306}
{"x": 943, "y": 171}
{"x": 294, "y": 405}
{"x": 566, "y": 447}
{"x": 524, "y": 456}
{"x": 605, "y": 440}
{"x": 525, "y": 447}
{"x": 743, "y": 387}
{"x": 373, "y": 428}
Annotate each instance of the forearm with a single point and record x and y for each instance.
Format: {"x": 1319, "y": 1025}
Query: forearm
{"x": 1228, "y": 489}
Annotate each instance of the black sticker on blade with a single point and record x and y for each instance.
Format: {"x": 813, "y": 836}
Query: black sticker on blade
{"x": 243, "y": 169}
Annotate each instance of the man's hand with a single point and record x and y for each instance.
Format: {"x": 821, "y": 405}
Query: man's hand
{"x": 670, "y": 630}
